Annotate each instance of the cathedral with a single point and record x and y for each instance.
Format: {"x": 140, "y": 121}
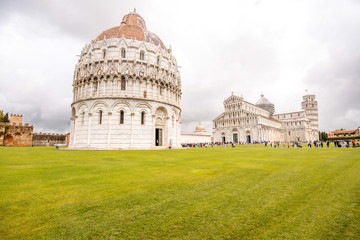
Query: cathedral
{"x": 126, "y": 91}
{"x": 244, "y": 122}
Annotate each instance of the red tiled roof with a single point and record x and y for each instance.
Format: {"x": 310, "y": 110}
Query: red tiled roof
{"x": 132, "y": 27}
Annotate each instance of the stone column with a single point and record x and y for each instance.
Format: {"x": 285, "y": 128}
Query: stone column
{"x": 132, "y": 130}
{"x": 109, "y": 130}
{"x": 166, "y": 130}
{"x": 86, "y": 88}
{"x": 98, "y": 88}
{"x": 91, "y": 88}
{"x": 74, "y": 129}
{"x": 89, "y": 130}
{"x": 111, "y": 87}
{"x": 133, "y": 87}
{"x": 140, "y": 87}
{"x": 153, "y": 131}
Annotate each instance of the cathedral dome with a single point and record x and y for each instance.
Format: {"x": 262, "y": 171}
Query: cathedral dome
{"x": 200, "y": 128}
{"x": 132, "y": 27}
{"x": 263, "y": 100}
{"x": 265, "y": 104}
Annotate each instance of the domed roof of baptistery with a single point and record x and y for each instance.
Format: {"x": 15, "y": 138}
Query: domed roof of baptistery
{"x": 132, "y": 27}
{"x": 200, "y": 128}
{"x": 263, "y": 101}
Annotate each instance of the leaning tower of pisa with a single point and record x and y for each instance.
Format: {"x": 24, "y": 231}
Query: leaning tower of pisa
{"x": 310, "y": 106}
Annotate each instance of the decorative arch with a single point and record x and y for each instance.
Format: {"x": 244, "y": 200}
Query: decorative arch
{"x": 159, "y": 121}
{"x": 143, "y": 105}
{"x": 81, "y": 105}
{"x": 161, "y": 111}
{"x": 126, "y": 70}
{"x": 120, "y": 105}
{"x": 97, "y": 103}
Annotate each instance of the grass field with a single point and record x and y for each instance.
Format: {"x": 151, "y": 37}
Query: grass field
{"x": 213, "y": 193}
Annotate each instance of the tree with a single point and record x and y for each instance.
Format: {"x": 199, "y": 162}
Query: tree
{"x": 323, "y": 136}
{"x": 4, "y": 117}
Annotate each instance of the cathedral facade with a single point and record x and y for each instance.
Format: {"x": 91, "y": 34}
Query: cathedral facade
{"x": 244, "y": 122}
{"x": 126, "y": 91}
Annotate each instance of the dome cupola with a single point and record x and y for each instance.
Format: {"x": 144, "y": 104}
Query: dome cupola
{"x": 265, "y": 104}
{"x": 132, "y": 27}
{"x": 200, "y": 128}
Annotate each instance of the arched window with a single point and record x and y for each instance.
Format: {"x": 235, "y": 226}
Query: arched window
{"x": 123, "y": 83}
{"x": 100, "y": 116}
{"x": 142, "y": 118}
{"x": 142, "y": 55}
{"x": 95, "y": 86}
{"x": 158, "y": 60}
{"x": 123, "y": 53}
{"x": 121, "y": 117}
{"x": 104, "y": 53}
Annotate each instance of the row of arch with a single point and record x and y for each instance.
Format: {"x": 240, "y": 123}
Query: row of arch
{"x": 121, "y": 119}
{"x": 127, "y": 78}
{"x": 235, "y": 122}
{"x": 104, "y": 55}
{"x": 115, "y": 68}
{"x": 119, "y": 106}
{"x": 123, "y": 43}
{"x": 124, "y": 87}
{"x": 123, "y": 55}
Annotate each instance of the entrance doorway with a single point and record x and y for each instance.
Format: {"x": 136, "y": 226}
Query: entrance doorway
{"x": 158, "y": 137}
{"x": 223, "y": 139}
{"x": 248, "y": 139}
{"x": 235, "y": 137}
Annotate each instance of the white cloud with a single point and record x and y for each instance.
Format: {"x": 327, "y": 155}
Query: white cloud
{"x": 278, "y": 47}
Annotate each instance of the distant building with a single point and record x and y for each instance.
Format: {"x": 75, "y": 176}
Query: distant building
{"x": 342, "y": 134}
{"x": 247, "y": 123}
{"x": 14, "y": 133}
{"x": 200, "y": 135}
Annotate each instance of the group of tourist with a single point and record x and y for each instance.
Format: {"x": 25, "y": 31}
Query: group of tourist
{"x": 315, "y": 144}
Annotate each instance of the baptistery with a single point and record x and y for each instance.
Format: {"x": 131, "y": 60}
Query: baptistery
{"x": 126, "y": 91}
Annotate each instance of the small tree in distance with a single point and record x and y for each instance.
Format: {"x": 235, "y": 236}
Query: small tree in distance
{"x": 323, "y": 136}
{"x": 4, "y": 117}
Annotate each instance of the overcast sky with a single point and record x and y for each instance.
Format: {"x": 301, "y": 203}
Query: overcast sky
{"x": 278, "y": 47}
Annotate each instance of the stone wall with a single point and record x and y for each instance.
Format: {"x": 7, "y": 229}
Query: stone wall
{"x": 17, "y": 136}
{"x": 16, "y": 119}
{"x": 2, "y": 133}
{"x": 47, "y": 139}
{"x": 195, "y": 138}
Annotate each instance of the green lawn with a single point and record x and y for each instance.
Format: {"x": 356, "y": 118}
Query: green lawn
{"x": 212, "y": 193}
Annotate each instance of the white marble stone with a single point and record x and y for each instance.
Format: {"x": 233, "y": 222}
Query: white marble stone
{"x": 106, "y": 83}
{"x": 245, "y": 122}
